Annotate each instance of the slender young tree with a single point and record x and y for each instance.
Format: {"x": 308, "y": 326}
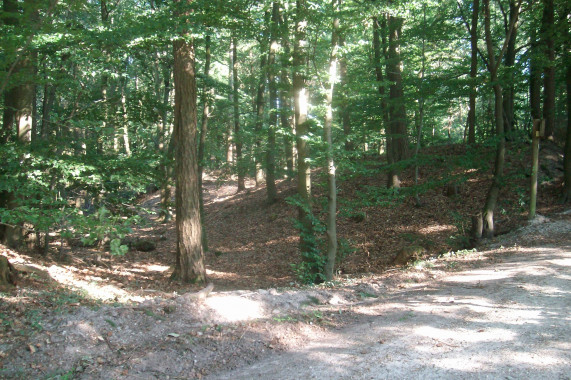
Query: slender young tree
{"x": 238, "y": 143}
{"x": 327, "y": 126}
{"x": 207, "y": 94}
{"x": 493, "y": 65}
{"x": 397, "y": 113}
{"x": 273, "y": 90}
{"x": 286, "y": 95}
{"x": 548, "y": 45}
{"x": 307, "y": 234}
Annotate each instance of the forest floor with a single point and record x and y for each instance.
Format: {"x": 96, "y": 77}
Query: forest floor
{"x": 500, "y": 310}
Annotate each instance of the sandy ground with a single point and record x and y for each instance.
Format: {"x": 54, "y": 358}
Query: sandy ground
{"x": 500, "y": 312}
{"x": 509, "y": 320}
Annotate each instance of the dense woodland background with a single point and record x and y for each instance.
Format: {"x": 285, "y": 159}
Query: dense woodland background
{"x": 105, "y": 101}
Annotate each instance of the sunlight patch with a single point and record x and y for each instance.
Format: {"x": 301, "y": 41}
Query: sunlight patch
{"x": 235, "y": 308}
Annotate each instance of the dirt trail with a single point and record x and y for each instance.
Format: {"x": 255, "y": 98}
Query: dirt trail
{"x": 508, "y": 320}
{"x": 493, "y": 313}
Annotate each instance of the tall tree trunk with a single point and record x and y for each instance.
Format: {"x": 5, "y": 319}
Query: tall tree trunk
{"x": 534, "y": 76}
{"x": 493, "y": 66}
{"x": 189, "y": 255}
{"x": 230, "y": 126}
{"x": 397, "y": 112}
{"x": 307, "y": 233}
{"x": 260, "y": 102}
{"x": 240, "y": 165}
{"x": 207, "y": 94}
{"x": 378, "y": 30}
{"x": 285, "y": 96}
{"x": 126, "y": 142}
{"x": 331, "y": 186}
{"x": 166, "y": 148}
{"x": 548, "y": 44}
{"x": 273, "y": 90}
{"x": 566, "y": 195}
{"x": 473, "y": 72}
{"x": 509, "y": 91}
{"x": 420, "y": 120}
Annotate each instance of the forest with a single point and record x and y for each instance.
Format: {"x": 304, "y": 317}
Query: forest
{"x": 285, "y": 189}
{"x": 105, "y": 102}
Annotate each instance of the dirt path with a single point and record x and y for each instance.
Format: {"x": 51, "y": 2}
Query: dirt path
{"x": 510, "y": 320}
{"x": 493, "y": 313}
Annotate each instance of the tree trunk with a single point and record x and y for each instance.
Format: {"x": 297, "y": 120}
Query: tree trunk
{"x": 285, "y": 97}
{"x": 379, "y": 29}
{"x": 473, "y": 72}
{"x": 273, "y": 90}
{"x": 397, "y": 112}
{"x": 207, "y": 94}
{"x": 331, "y": 186}
{"x": 547, "y": 37}
{"x": 189, "y": 255}
{"x": 534, "y": 76}
{"x": 509, "y": 92}
{"x": 307, "y": 239}
{"x": 260, "y": 105}
{"x": 566, "y": 195}
{"x": 240, "y": 165}
{"x": 493, "y": 66}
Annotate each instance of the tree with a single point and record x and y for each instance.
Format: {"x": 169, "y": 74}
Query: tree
{"x": 548, "y": 45}
{"x": 189, "y": 266}
{"x": 307, "y": 234}
{"x": 397, "y": 141}
{"x": 207, "y": 94}
{"x": 327, "y": 126}
{"x": 240, "y": 165}
{"x": 273, "y": 90}
{"x": 493, "y": 65}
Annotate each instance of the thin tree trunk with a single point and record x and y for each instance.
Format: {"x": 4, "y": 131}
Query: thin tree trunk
{"x": 273, "y": 90}
{"x": 307, "y": 239}
{"x": 260, "y": 104}
{"x": 207, "y": 94}
{"x": 189, "y": 255}
{"x": 285, "y": 96}
{"x": 240, "y": 166}
{"x": 126, "y": 142}
{"x": 534, "y": 76}
{"x": 331, "y": 186}
{"x": 420, "y": 111}
{"x": 547, "y": 37}
{"x": 493, "y": 66}
{"x": 509, "y": 92}
{"x": 378, "y": 30}
{"x": 566, "y": 195}
{"x": 397, "y": 112}
{"x": 473, "y": 72}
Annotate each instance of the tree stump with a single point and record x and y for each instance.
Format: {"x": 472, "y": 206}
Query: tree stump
{"x": 8, "y": 273}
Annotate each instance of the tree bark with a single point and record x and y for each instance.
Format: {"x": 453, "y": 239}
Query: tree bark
{"x": 207, "y": 94}
{"x": 493, "y": 66}
{"x": 331, "y": 186}
{"x": 509, "y": 91}
{"x": 548, "y": 44}
{"x": 189, "y": 266}
{"x": 397, "y": 112}
{"x": 260, "y": 104}
{"x": 307, "y": 240}
{"x": 534, "y": 76}
{"x": 240, "y": 166}
{"x": 378, "y": 30}
{"x": 285, "y": 96}
{"x": 273, "y": 90}
{"x": 473, "y": 72}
